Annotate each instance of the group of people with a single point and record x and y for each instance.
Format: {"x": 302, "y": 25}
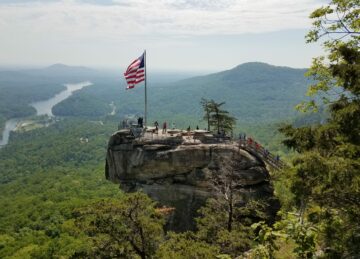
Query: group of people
{"x": 189, "y": 128}
{"x": 164, "y": 127}
{"x": 252, "y": 143}
{"x": 242, "y": 136}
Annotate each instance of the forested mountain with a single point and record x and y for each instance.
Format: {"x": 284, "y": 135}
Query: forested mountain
{"x": 253, "y": 92}
{"x": 56, "y": 203}
{"x": 19, "y": 88}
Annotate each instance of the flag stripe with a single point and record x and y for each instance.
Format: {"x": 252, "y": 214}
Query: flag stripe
{"x": 135, "y": 73}
{"x": 134, "y": 76}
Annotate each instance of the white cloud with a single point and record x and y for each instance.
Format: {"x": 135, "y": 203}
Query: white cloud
{"x": 165, "y": 17}
{"x": 69, "y": 24}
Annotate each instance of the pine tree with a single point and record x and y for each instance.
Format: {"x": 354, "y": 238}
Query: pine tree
{"x": 217, "y": 117}
{"x": 326, "y": 181}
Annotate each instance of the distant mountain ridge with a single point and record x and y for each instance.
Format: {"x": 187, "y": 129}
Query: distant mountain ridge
{"x": 60, "y": 66}
{"x": 257, "y": 70}
{"x": 61, "y": 70}
{"x": 252, "y": 91}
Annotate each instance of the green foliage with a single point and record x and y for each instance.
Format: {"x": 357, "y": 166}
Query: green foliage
{"x": 213, "y": 225}
{"x": 216, "y": 117}
{"x": 45, "y": 175}
{"x": 291, "y": 227}
{"x": 122, "y": 228}
{"x": 82, "y": 104}
{"x": 339, "y": 17}
{"x": 186, "y": 245}
{"x": 55, "y": 146}
{"x": 39, "y": 210}
{"x": 206, "y": 104}
{"x": 326, "y": 170}
{"x": 267, "y": 134}
{"x": 302, "y": 232}
{"x": 18, "y": 90}
{"x": 267, "y": 241}
{"x": 332, "y": 74}
{"x": 58, "y": 204}
{"x": 254, "y": 92}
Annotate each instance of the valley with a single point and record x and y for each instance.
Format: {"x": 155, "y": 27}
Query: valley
{"x": 188, "y": 129}
{"x": 43, "y": 108}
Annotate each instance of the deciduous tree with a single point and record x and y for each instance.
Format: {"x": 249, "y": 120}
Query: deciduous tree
{"x": 327, "y": 169}
{"x": 124, "y": 228}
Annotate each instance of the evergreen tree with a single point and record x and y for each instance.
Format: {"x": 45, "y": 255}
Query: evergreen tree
{"x": 216, "y": 116}
{"x": 326, "y": 181}
{"x": 206, "y": 104}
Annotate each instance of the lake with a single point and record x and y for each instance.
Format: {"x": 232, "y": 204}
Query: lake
{"x": 42, "y": 108}
{"x": 45, "y": 107}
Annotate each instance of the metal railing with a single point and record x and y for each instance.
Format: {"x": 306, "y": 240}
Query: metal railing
{"x": 255, "y": 148}
{"x": 147, "y": 138}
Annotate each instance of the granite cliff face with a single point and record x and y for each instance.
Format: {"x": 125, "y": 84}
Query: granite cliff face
{"x": 176, "y": 170}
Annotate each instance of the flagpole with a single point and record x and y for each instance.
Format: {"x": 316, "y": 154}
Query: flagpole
{"x": 145, "y": 119}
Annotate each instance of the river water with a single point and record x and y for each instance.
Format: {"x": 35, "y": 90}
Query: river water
{"x": 42, "y": 108}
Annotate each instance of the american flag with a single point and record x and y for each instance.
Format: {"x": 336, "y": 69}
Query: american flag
{"x": 135, "y": 73}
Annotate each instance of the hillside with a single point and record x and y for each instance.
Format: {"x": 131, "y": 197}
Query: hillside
{"x": 253, "y": 92}
{"x": 61, "y": 71}
{"x": 19, "y": 88}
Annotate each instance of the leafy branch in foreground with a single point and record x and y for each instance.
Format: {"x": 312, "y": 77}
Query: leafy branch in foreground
{"x": 123, "y": 228}
{"x": 326, "y": 176}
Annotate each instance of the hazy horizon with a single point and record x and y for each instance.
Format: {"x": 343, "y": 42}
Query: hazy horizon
{"x": 183, "y": 35}
{"x": 20, "y": 67}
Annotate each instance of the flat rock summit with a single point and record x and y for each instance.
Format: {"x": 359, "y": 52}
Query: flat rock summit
{"x": 176, "y": 170}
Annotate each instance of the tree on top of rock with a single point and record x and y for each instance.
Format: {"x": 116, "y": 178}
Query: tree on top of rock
{"x": 217, "y": 117}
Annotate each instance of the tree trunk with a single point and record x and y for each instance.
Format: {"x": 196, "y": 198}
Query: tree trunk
{"x": 208, "y": 120}
{"x": 230, "y": 219}
{"x": 218, "y": 121}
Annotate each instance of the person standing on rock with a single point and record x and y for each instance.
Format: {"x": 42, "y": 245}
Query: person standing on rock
{"x": 266, "y": 153}
{"x": 241, "y": 140}
{"x": 140, "y": 122}
{"x": 249, "y": 141}
{"x": 164, "y": 128}
{"x": 156, "y": 126}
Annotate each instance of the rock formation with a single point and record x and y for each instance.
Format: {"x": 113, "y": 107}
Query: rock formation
{"x": 176, "y": 170}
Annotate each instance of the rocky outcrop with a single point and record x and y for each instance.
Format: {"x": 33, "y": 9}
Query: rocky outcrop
{"x": 176, "y": 172}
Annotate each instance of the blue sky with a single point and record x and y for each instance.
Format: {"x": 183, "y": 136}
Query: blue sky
{"x": 209, "y": 35}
